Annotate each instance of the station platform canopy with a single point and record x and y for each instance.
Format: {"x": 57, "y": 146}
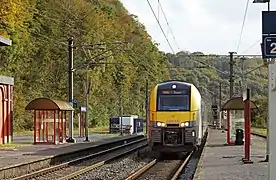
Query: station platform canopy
{"x": 237, "y": 103}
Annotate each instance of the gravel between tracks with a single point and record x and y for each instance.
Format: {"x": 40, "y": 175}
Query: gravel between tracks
{"x": 116, "y": 170}
{"x": 161, "y": 170}
{"x": 63, "y": 172}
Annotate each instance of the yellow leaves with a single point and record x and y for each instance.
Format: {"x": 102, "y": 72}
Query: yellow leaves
{"x": 3, "y": 33}
{"x": 38, "y": 57}
{"x": 14, "y": 13}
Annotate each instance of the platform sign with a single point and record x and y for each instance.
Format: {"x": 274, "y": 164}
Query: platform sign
{"x": 83, "y": 108}
{"x": 269, "y": 22}
{"x": 269, "y": 46}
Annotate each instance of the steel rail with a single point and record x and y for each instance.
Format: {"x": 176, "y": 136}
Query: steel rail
{"x": 101, "y": 163}
{"x": 74, "y": 161}
{"x": 142, "y": 170}
{"x": 175, "y": 173}
{"x": 181, "y": 167}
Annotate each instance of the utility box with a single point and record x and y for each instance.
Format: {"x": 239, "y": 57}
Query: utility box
{"x": 130, "y": 124}
{"x": 138, "y": 126}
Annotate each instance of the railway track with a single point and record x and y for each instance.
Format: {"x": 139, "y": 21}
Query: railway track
{"x": 75, "y": 168}
{"x": 161, "y": 170}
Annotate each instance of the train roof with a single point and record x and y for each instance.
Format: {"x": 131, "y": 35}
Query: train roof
{"x": 168, "y": 84}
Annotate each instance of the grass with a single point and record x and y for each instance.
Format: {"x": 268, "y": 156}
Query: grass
{"x": 14, "y": 145}
{"x": 101, "y": 130}
{"x": 21, "y": 133}
{"x": 261, "y": 131}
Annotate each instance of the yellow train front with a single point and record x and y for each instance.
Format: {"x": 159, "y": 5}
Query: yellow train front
{"x": 177, "y": 121}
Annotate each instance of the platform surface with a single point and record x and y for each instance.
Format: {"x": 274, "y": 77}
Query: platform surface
{"x": 220, "y": 162}
{"x": 28, "y": 153}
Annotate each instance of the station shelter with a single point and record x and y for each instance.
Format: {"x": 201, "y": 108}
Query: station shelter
{"x": 49, "y": 120}
{"x": 235, "y": 117}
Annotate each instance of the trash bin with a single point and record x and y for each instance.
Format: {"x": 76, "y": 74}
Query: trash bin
{"x": 239, "y": 137}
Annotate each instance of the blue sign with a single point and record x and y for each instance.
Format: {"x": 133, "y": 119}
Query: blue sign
{"x": 269, "y": 46}
{"x": 269, "y": 22}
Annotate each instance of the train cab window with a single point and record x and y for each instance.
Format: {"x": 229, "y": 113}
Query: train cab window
{"x": 173, "y": 102}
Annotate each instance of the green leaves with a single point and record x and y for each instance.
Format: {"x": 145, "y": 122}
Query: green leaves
{"x": 38, "y": 58}
{"x": 208, "y": 79}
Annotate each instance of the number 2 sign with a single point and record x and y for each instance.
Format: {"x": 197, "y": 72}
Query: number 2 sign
{"x": 269, "y": 43}
{"x": 273, "y": 48}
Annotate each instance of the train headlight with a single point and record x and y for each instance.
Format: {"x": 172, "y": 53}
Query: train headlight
{"x": 159, "y": 124}
{"x": 186, "y": 124}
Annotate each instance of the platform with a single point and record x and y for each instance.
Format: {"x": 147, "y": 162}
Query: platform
{"x": 220, "y": 162}
{"x": 29, "y": 153}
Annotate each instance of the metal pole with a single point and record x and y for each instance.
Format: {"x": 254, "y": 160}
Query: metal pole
{"x": 86, "y": 104}
{"x": 269, "y": 97}
{"x": 272, "y": 122}
{"x": 243, "y": 86}
{"x": 147, "y": 105}
{"x": 247, "y": 114}
{"x": 121, "y": 109}
{"x": 268, "y": 112}
{"x": 220, "y": 107}
{"x": 231, "y": 74}
{"x": 70, "y": 88}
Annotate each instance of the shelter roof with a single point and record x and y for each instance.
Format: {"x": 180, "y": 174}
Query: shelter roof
{"x": 237, "y": 103}
{"x": 49, "y": 104}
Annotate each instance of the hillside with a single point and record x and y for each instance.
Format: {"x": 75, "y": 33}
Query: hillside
{"x": 38, "y": 58}
{"x": 208, "y": 71}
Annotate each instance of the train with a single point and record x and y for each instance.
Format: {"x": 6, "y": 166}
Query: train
{"x": 178, "y": 117}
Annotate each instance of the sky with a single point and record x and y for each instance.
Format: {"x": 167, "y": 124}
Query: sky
{"x": 208, "y": 26}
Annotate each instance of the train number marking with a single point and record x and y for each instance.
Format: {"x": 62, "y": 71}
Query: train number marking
{"x": 172, "y": 122}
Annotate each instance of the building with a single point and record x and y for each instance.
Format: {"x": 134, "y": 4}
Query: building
{"x": 6, "y": 102}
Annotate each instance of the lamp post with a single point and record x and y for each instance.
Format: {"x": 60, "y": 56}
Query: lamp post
{"x": 70, "y": 88}
{"x": 71, "y": 70}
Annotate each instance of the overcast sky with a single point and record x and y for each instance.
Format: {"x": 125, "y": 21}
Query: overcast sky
{"x": 209, "y": 26}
